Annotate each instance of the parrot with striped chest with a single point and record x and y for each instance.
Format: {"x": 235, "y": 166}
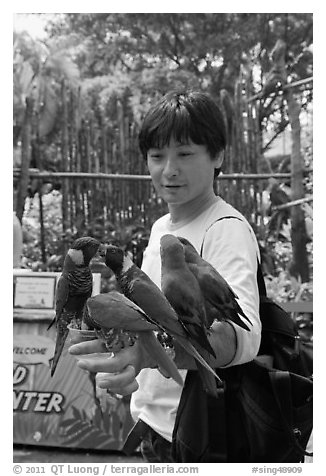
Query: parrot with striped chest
{"x": 73, "y": 289}
{"x": 136, "y": 285}
{"x": 220, "y": 300}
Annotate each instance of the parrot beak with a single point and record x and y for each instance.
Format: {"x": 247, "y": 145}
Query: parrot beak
{"x": 102, "y": 250}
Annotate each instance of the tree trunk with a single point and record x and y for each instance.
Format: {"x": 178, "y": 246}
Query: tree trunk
{"x": 65, "y": 167}
{"x": 25, "y": 159}
{"x": 42, "y": 229}
{"x": 300, "y": 265}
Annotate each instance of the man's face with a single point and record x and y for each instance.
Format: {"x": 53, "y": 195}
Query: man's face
{"x": 182, "y": 173}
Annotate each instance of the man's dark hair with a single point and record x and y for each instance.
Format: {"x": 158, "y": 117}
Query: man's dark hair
{"x": 183, "y": 116}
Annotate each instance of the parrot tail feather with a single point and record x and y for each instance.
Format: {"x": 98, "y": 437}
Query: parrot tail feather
{"x": 60, "y": 342}
{"x": 208, "y": 381}
{"x": 155, "y": 349}
{"x": 237, "y": 320}
{"x": 51, "y": 323}
{"x": 201, "y": 337}
{"x": 240, "y": 311}
{"x": 190, "y": 349}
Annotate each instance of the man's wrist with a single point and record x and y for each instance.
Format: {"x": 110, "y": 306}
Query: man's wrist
{"x": 224, "y": 342}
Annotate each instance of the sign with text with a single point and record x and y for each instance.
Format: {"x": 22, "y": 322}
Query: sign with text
{"x": 34, "y": 293}
{"x": 62, "y": 410}
{"x": 32, "y": 349}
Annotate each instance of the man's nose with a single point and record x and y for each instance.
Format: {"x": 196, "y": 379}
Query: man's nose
{"x": 171, "y": 167}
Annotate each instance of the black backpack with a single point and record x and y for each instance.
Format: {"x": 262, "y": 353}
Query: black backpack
{"x": 264, "y": 414}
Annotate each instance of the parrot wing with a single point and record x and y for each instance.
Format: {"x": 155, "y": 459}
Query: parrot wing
{"x": 61, "y": 298}
{"x": 114, "y": 310}
{"x": 62, "y": 295}
{"x": 149, "y": 297}
{"x": 190, "y": 311}
{"x": 136, "y": 319}
{"x": 218, "y": 293}
{"x": 62, "y": 333}
{"x": 144, "y": 292}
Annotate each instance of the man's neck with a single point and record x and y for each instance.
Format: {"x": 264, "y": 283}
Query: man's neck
{"x": 190, "y": 210}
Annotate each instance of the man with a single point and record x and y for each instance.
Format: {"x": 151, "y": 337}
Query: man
{"x": 183, "y": 140}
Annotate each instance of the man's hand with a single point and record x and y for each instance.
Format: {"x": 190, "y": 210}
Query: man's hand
{"x": 116, "y": 372}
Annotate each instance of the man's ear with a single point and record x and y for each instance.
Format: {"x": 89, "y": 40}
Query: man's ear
{"x": 218, "y": 161}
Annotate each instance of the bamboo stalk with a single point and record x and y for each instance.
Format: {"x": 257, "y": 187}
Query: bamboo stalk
{"x": 294, "y": 84}
{"x": 65, "y": 160}
{"x": 293, "y": 203}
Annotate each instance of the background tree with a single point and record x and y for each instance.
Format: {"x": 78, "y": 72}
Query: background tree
{"x": 37, "y": 72}
{"x": 160, "y": 51}
{"x": 127, "y": 60}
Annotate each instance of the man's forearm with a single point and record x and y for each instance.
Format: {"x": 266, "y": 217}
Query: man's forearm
{"x": 223, "y": 340}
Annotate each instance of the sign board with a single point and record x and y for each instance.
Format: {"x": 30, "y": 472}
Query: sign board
{"x": 58, "y": 411}
{"x": 34, "y": 293}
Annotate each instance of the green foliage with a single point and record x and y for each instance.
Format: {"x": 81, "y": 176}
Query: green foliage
{"x": 53, "y": 233}
{"x": 39, "y": 68}
{"x": 280, "y": 285}
{"x": 131, "y": 59}
{"x": 132, "y": 238}
{"x": 138, "y": 56}
{"x": 209, "y": 45}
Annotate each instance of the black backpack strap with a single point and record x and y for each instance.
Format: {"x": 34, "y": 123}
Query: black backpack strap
{"x": 227, "y": 217}
{"x": 260, "y": 278}
{"x": 281, "y": 386}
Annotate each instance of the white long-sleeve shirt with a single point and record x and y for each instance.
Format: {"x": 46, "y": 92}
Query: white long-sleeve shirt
{"x": 231, "y": 247}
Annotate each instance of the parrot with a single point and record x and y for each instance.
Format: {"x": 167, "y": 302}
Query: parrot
{"x": 220, "y": 300}
{"x": 119, "y": 322}
{"x": 137, "y": 286}
{"x": 183, "y": 292}
{"x": 73, "y": 289}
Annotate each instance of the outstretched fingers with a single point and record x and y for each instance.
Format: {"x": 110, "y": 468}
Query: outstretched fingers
{"x": 123, "y": 383}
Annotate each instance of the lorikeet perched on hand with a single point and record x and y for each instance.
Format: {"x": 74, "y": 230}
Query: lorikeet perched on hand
{"x": 74, "y": 288}
{"x": 139, "y": 288}
{"x": 183, "y": 292}
{"x": 220, "y": 300}
{"x": 119, "y": 322}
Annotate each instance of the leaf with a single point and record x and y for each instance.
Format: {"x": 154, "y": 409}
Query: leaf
{"x": 77, "y": 426}
{"x": 64, "y": 65}
{"x": 77, "y": 414}
{"x": 67, "y": 423}
{"x": 25, "y": 78}
{"x": 48, "y": 112}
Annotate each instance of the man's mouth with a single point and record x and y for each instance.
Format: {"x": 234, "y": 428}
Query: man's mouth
{"x": 172, "y": 186}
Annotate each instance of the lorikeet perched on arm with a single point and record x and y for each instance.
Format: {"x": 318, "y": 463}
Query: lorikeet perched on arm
{"x": 139, "y": 288}
{"x": 220, "y": 300}
{"x": 183, "y": 292}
